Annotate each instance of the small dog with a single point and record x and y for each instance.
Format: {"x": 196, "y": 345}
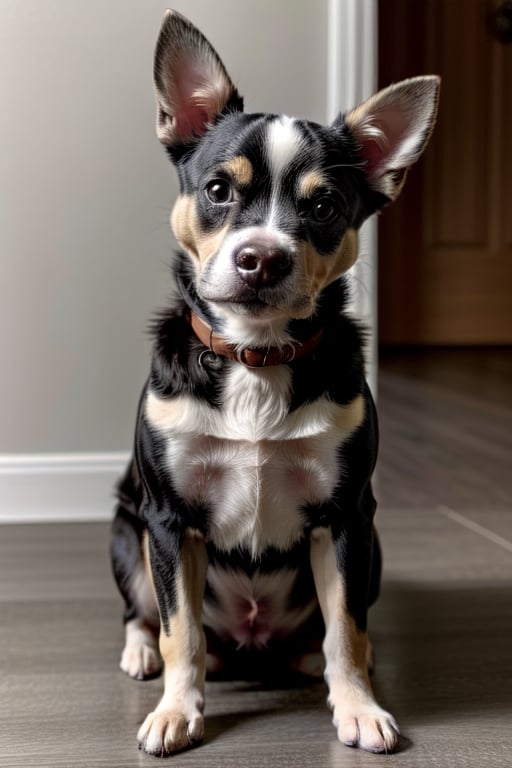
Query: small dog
{"x": 245, "y": 520}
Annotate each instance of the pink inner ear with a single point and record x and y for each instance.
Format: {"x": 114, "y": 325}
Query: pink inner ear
{"x": 372, "y": 153}
{"x": 386, "y": 139}
{"x": 190, "y": 106}
{"x": 191, "y": 122}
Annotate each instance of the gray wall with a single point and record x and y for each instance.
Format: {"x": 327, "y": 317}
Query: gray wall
{"x": 85, "y": 192}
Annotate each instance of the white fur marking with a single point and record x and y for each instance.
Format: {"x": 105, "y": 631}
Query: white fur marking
{"x": 140, "y": 656}
{"x": 284, "y": 144}
{"x": 251, "y": 462}
{"x": 255, "y": 408}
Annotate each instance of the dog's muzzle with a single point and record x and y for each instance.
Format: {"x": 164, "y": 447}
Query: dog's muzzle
{"x": 261, "y": 264}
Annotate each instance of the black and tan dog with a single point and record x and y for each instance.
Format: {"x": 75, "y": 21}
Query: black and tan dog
{"x": 245, "y": 520}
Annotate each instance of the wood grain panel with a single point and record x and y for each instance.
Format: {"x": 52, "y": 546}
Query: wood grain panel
{"x": 445, "y": 248}
{"x": 460, "y": 162}
{"x": 506, "y": 149}
{"x": 402, "y": 53}
{"x": 467, "y": 297}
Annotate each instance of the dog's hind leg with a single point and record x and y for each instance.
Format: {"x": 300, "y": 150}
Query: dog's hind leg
{"x": 140, "y": 658}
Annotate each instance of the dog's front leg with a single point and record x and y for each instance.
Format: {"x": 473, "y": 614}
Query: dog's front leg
{"x": 359, "y": 720}
{"x": 179, "y": 567}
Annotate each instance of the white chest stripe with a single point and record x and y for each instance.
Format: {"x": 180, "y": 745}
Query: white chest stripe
{"x": 248, "y": 416}
{"x": 250, "y": 462}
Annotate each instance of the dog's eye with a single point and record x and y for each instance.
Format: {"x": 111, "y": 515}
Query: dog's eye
{"x": 219, "y": 192}
{"x": 325, "y": 209}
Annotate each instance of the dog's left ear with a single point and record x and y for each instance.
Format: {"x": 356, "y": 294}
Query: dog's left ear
{"x": 391, "y": 130}
{"x": 191, "y": 83}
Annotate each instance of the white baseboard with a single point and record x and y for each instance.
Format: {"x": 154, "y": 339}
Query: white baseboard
{"x": 71, "y": 487}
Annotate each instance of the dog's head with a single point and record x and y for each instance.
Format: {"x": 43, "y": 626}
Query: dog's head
{"x": 270, "y": 205}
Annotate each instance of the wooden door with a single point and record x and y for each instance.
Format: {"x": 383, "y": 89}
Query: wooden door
{"x": 445, "y": 248}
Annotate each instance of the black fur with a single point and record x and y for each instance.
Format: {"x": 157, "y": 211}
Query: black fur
{"x": 267, "y": 219}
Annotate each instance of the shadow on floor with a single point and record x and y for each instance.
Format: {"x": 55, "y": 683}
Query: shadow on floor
{"x": 444, "y": 650}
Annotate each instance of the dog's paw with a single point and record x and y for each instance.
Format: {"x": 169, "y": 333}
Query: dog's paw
{"x": 141, "y": 661}
{"x": 140, "y": 658}
{"x": 368, "y": 727}
{"x": 166, "y": 732}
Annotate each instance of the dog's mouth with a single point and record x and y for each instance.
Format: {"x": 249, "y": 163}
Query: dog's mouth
{"x": 239, "y": 298}
{"x": 249, "y": 299}
{"x": 254, "y": 306}
{"x": 258, "y": 307}
{"x": 243, "y": 298}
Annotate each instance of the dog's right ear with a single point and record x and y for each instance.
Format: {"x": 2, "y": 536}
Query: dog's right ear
{"x": 191, "y": 82}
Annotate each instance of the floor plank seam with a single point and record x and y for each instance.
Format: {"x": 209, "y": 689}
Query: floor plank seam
{"x": 480, "y": 530}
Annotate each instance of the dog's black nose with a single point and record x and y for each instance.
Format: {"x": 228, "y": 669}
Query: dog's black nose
{"x": 261, "y": 265}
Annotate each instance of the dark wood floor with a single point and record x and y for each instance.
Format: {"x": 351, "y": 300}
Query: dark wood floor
{"x": 442, "y": 629}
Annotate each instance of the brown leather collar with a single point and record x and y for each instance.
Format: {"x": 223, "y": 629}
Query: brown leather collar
{"x": 250, "y": 356}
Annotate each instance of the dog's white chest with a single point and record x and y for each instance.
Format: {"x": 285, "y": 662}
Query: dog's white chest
{"x": 251, "y": 463}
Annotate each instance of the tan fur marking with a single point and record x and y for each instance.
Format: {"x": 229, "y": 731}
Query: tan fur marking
{"x": 145, "y": 558}
{"x": 350, "y": 417}
{"x": 345, "y": 645}
{"x": 348, "y": 250}
{"x": 320, "y": 270}
{"x": 356, "y": 643}
{"x": 361, "y": 118}
{"x": 185, "y": 643}
{"x": 184, "y": 223}
{"x": 240, "y": 169}
{"x": 175, "y": 648}
{"x": 310, "y": 183}
{"x": 191, "y": 577}
{"x": 161, "y": 412}
{"x": 210, "y": 244}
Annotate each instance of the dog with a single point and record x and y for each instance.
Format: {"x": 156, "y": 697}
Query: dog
{"x": 244, "y": 523}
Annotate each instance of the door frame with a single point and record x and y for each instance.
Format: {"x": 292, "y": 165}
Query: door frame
{"x": 352, "y": 56}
